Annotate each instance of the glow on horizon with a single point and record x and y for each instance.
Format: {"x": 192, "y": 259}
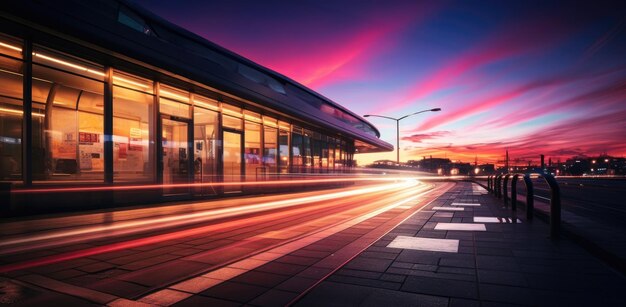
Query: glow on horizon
{"x": 531, "y": 79}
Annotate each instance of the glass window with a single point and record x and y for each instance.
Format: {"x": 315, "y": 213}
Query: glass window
{"x": 68, "y": 142}
{"x": 296, "y": 150}
{"x": 231, "y": 117}
{"x": 269, "y": 121}
{"x": 205, "y": 147}
{"x": 324, "y": 148}
{"x": 338, "y": 164}
{"x": 331, "y": 155}
{"x": 67, "y": 63}
{"x": 307, "y": 153}
{"x": 252, "y": 116}
{"x": 257, "y": 76}
{"x": 174, "y": 102}
{"x": 316, "y": 152}
{"x": 283, "y": 142}
{"x": 132, "y": 82}
{"x": 270, "y": 147}
{"x": 252, "y": 151}
{"x": 10, "y": 46}
{"x": 172, "y": 93}
{"x": 134, "y": 148}
{"x": 205, "y": 102}
{"x": 11, "y": 112}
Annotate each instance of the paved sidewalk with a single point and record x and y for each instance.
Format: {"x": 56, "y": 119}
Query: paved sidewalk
{"x": 503, "y": 263}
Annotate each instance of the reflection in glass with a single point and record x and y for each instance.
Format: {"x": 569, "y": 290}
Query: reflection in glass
{"x": 68, "y": 141}
{"x": 270, "y": 150}
{"x": 296, "y": 151}
{"x": 175, "y": 154}
{"x": 254, "y": 169}
{"x": 231, "y": 159}
{"x": 133, "y": 143}
{"x": 11, "y": 115}
{"x": 283, "y": 159}
{"x": 205, "y": 148}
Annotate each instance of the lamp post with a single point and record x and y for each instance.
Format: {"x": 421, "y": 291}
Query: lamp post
{"x": 398, "y": 126}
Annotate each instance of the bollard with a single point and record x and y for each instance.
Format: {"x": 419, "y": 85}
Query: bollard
{"x": 514, "y": 192}
{"x": 555, "y": 206}
{"x": 505, "y": 188}
{"x": 530, "y": 197}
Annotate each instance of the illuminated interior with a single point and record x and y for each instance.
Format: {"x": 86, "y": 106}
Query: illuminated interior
{"x": 201, "y": 139}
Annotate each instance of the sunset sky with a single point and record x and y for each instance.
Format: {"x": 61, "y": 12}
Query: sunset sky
{"x": 531, "y": 77}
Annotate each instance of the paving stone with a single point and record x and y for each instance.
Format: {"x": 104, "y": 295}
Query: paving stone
{"x": 393, "y": 277}
{"x": 274, "y": 298}
{"x": 497, "y": 263}
{"x": 233, "y": 291}
{"x": 502, "y": 278}
{"x": 297, "y": 284}
{"x": 163, "y": 274}
{"x": 198, "y": 300}
{"x": 381, "y": 284}
{"x": 96, "y": 267}
{"x": 299, "y": 260}
{"x": 358, "y": 273}
{"x": 281, "y": 268}
{"x": 461, "y": 262}
{"x": 335, "y": 294}
{"x": 441, "y": 287}
{"x": 460, "y": 302}
{"x": 148, "y": 262}
{"x": 452, "y": 270}
{"x": 315, "y": 272}
{"x": 378, "y": 255}
{"x": 506, "y": 294}
{"x": 119, "y": 288}
{"x": 369, "y": 264}
{"x": 260, "y": 278}
{"x": 66, "y": 274}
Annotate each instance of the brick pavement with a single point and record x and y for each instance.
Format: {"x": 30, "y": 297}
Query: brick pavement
{"x": 506, "y": 264}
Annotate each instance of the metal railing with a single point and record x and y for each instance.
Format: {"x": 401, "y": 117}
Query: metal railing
{"x": 498, "y": 185}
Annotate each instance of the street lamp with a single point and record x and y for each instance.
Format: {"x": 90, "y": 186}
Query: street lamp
{"x": 398, "y": 126}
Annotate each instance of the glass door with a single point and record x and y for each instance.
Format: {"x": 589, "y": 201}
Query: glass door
{"x": 175, "y": 155}
{"x": 232, "y": 160}
{"x": 205, "y": 147}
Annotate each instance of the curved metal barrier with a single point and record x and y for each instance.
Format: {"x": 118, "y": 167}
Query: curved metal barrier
{"x": 529, "y": 196}
{"x": 505, "y": 195}
{"x": 498, "y": 186}
{"x": 555, "y": 199}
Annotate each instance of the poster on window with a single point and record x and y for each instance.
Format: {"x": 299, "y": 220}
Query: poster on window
{"x": 122, "y": 152}
{"x": 90, "y": 150}
{"x": 66, "y": 148}
{"x": 135, "y": 140}
{"x": 85, "y": 160}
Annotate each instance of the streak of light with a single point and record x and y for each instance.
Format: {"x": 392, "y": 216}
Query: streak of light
{"x": 170, "y": 221}
{"x": 207, "y": 184}
{"x": 361, "y": 194}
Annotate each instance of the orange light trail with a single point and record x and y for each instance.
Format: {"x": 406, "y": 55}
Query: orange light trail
{"x": 177, "y": 220}
{"x": 205, "y": 184}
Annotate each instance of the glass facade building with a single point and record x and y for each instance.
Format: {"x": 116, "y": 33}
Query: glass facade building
{"x": 105, "y": 93}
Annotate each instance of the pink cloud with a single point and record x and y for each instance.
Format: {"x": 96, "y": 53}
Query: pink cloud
{"x": 518, "y": 40}
{"x": 341, "y": 55}
{"x": 418, "y": 138}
